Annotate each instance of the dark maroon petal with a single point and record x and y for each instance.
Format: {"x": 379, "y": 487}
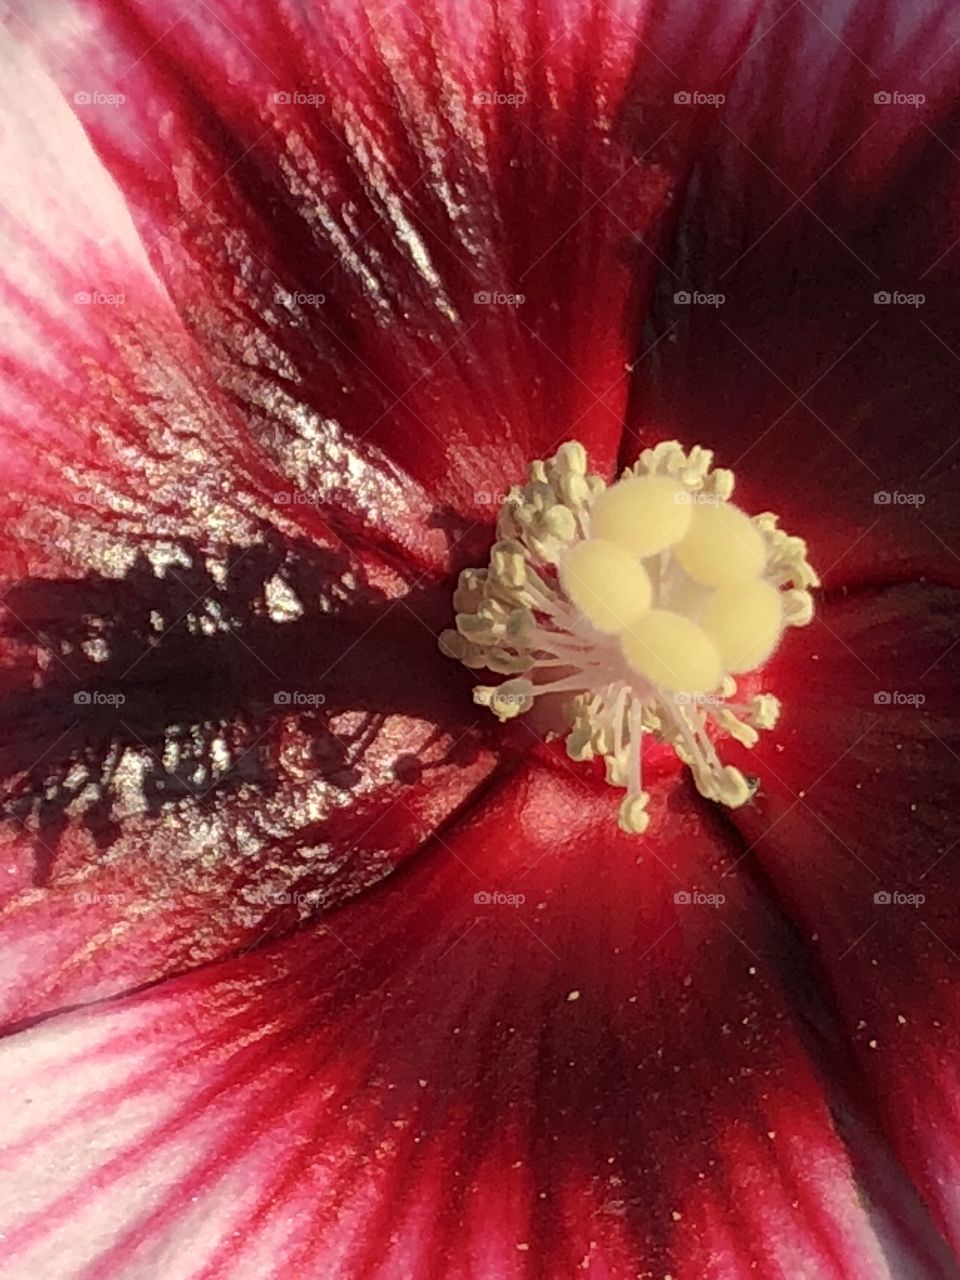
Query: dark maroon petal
{"x": 807, "y": 199}
{"x": 600, "y": 1077}
{"x": 855, "y": 825}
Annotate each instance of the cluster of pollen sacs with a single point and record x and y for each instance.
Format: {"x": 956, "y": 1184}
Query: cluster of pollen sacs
{"x": 640, "y": 602}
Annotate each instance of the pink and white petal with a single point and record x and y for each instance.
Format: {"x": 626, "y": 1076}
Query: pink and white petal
{"x": 855, "y": 827}
{"x": 595, "y": 1080}
{"x": 331, "y": 195}
{"x": 809, "y": 199}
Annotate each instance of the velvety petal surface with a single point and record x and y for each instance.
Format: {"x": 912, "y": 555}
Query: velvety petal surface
{"x": 547, "y": 1053}
{"x": 855, "y": 826}
{"x": 817, "y": 242}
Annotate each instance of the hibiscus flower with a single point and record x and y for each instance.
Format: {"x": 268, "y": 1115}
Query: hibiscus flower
{"x": 313, "y": 968}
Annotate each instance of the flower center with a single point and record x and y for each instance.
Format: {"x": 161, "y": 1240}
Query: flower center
{"x": 641, "y": 601}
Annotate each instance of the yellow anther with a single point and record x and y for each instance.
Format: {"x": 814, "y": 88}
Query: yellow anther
{"x": 732, "y": 788}
{"x": 507, "y": 700}
{"x": 633, "y": 816}
{"x": 606, "y": 583}
{"x": 765, "y": 711}
{"x": 672, "y": 652}
{"x": 643, "y": 514}
{"x": 798, "y": 607}
{"x": 509, "y": 562}
{"x": 572, "y": 457}
{"x": 560, "y": 522}
{"x": 744, "y": 621}
{"x": 722, "y": 545}
{"x": 452, "y": 644}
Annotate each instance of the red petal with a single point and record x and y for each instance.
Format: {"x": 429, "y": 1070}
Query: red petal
{"x": 114, "y": 431}
{"x": 859, "y": 798}
{"x": 598, "y": 1077}
{"x": 809, "y": 198}
{"x": 143, "y": 838}
{"x": 401, "y": 198}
